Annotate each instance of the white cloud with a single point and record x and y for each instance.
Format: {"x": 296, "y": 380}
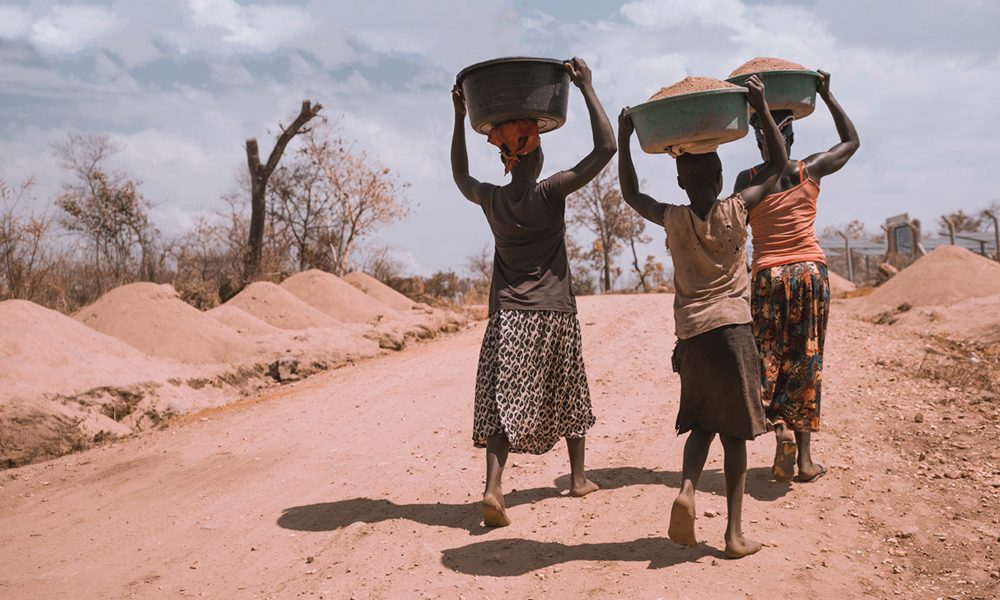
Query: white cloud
{"x": 72, "y": 28}
{"x": 14, "y": 22}
{"x": 62, "y": 29}
{"x": 671, "y": 14}
{"x": 804, "y": 40}
{"x": 924, "y": 116}
{"x": 260, "y": 28}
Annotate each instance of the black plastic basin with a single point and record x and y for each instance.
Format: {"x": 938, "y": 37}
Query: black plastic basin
{"x": 505, "y": 89}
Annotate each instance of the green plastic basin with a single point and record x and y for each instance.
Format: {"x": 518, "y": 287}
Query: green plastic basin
{"x": 787, "y": 90}
{"x": 712, "y": 116}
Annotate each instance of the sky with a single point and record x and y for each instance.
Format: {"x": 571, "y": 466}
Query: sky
{"x": 180, "y": 84}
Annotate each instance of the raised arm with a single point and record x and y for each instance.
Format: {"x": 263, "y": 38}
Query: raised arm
{"x": 831, "y": 161}
{"x": 650, "y": 209}
{"x": 471, "y": 188}
{"x": 604, "y": 136}
{"x": 777, "y": 154}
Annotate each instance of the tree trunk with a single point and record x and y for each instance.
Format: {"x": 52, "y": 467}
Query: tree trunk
{"x": 638, "y": 269}
{"x": 257, "y": 213}
{"x": 259, "y": 175}
{"x": 607, "y": 269}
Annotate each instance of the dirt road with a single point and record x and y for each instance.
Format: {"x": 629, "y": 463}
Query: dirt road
{"x": 362, "y": 482}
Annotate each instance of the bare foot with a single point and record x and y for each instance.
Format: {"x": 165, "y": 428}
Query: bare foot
{"x": 810, "y": 473}
{"x": 783, "y": 468}
{"x": 494, "y": 513}
{"x": 681, "y": 528}
{"x": 739, "y": 546}
{"x": 581, "y": 490}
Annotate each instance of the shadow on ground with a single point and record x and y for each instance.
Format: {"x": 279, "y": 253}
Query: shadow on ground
{"x": 760, "y": 484}
{"x": 329, "y": 516}
{"x": 514, "y": 557}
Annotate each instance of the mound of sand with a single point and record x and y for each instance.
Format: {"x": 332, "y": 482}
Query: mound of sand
{"x": 378, "y": 290}
{"x": 690, "y": 85}
{"x": 153, "y": 318}
{"x": 762, "y": 64}
{"x": 44, "y": 352}
{"x": 947, "y": 275}
{"x": 241, "y": 321}
{"x": 973, "y": 319}
{"x": 335, "y": 297}
{"x": 279, "y": 307}
{"x": 840, "y": 285}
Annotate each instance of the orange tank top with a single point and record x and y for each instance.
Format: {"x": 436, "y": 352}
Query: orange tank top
{"x": 784, "y": 226}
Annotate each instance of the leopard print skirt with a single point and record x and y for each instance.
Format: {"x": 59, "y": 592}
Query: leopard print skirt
{"x": 531, "y": 384}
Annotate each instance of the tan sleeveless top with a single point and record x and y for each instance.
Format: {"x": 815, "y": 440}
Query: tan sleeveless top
{"x": 711, "y": 284}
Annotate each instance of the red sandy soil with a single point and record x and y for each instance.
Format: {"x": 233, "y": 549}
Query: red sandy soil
{"x": 44, "y": 352}
{"x": 48, "y": 359}
{"x": 362, "y": 482}
{"x": 336, "y": 298}
{"x": 241, "y": 321}
{"x": 840, "y": 285}
{"x": 378, "y": 290}
{"x": 139, "y": 355}
{"x": 973, "y": 320}
{"x": 763, "y": 64}
{"x": 690, "y": 85}
{"x": 946, "y": 275}
{"x": 153, "y": 318}
{"x": 279, "y": 307}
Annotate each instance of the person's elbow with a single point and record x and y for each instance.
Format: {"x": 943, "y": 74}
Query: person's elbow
{"x": 778, "y": 157}
{"x": 606, "y": 150}
{"x": 463, "y": 182}
{"x": 635, "y": 200}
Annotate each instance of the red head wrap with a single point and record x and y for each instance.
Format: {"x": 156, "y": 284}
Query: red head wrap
{"x": 515, "y": 139}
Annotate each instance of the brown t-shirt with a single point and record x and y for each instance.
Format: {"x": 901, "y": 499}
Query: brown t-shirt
{"x": 711, "y": 284}
{"x": 530, "y": 268}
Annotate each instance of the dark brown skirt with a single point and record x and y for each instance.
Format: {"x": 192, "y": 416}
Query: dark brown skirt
{"x": 720, "y": 383}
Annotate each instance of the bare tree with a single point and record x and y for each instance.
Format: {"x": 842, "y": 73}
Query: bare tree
{"x": 25, "y": 264}
{"x": 301, "y": 206}
{"x": 599, "y": 208}
{"x": 204, "y": 259}
{"x": 855, "y": 230}
{"x": 364, "y": 195}
{"x": 480, "y": 269}
{"x": 329, "y": 199}
{"x": 634, "y": 232}
{"x": 656, "y": 275}
{"x": 582, "y": 276}
{"x": 106, "y": 209}
{"x": 259, "y": 175}
{"x": 379, "y": 262}
{"x": 962, "y": 221}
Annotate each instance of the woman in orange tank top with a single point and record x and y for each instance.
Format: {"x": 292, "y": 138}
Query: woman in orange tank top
{"x": 790, "y": 294}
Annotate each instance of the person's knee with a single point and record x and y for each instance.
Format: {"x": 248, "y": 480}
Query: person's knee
{"x": 698, "y": 434}
{"x": 730, "y": 444}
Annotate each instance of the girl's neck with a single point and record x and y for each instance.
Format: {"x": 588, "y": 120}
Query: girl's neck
{"x": 522, "y": 180}
{"x": 701, "y": 202}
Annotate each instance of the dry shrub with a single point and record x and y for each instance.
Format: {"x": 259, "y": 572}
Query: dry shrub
{"x": 961, "y": 364}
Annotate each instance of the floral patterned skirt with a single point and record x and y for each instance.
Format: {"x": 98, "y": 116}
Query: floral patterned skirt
{"x": 531, "y": 384}
{"x": 791, "y": 306}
